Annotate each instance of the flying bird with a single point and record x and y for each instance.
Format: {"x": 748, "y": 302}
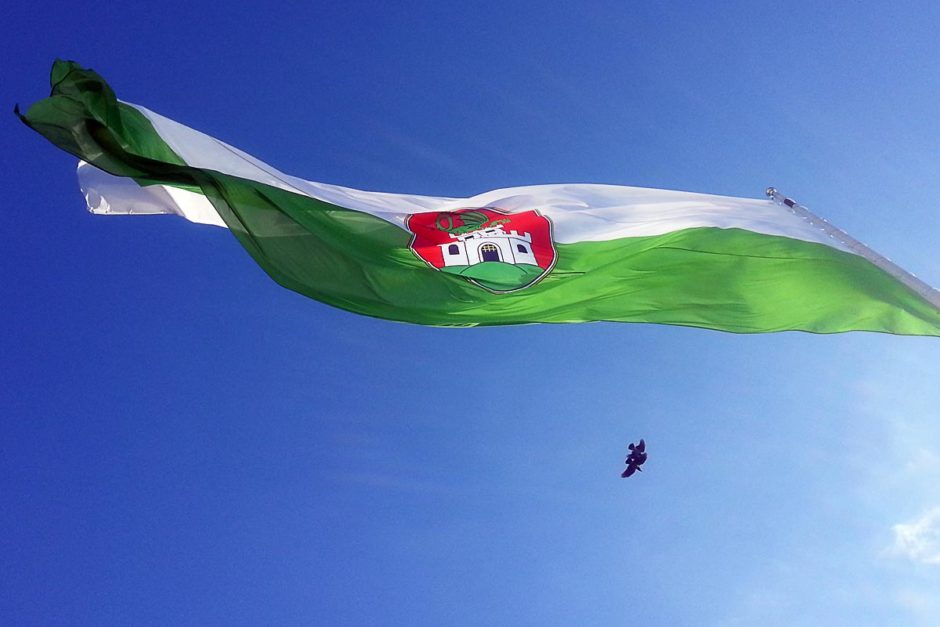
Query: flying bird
{"x": 635, "y": 459}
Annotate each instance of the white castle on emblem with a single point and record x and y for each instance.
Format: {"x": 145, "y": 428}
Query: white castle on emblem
{"x": 491, "y": 244}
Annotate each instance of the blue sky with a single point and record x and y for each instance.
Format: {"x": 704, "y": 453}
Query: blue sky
{"x": 183, "y": 442}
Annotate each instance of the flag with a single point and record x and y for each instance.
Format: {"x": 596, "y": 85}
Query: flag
{"x": 541, "y": 253}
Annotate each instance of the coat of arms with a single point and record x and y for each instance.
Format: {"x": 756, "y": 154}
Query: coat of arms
{"x": 501, "y": 252}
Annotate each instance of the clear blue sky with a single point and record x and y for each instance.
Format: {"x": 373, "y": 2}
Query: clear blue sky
{"x": 183, "y": 442}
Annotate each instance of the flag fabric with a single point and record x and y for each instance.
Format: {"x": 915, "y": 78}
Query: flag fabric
{"x": 541, "y": 253}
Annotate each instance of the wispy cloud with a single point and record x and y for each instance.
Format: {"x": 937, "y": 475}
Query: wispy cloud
{"x": 918, "y": 541}
{"x": 919, "y": 603}
{"x": 422, "y": 154}
{"x": 887, "y": 462}
{"x": 396, "y": 483}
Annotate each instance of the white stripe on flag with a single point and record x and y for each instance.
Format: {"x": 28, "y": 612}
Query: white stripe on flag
{"x": 579, "y": 212}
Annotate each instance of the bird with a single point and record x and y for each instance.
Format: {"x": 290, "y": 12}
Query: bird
{"x": 635, "y": 459}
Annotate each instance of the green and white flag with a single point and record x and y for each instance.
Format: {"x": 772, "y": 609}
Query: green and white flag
{"x": 543, "y": 253}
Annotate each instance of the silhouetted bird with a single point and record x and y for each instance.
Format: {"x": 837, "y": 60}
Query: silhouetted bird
{"x": 635, "y": 459}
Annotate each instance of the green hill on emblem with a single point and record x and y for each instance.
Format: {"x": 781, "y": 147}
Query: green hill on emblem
{"x": 497, "y": 275}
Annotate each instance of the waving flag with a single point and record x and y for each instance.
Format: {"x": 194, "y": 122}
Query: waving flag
{"x": 544, "y": 253}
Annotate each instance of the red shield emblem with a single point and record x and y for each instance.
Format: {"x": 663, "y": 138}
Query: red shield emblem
{"x": 501, "y": 252}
